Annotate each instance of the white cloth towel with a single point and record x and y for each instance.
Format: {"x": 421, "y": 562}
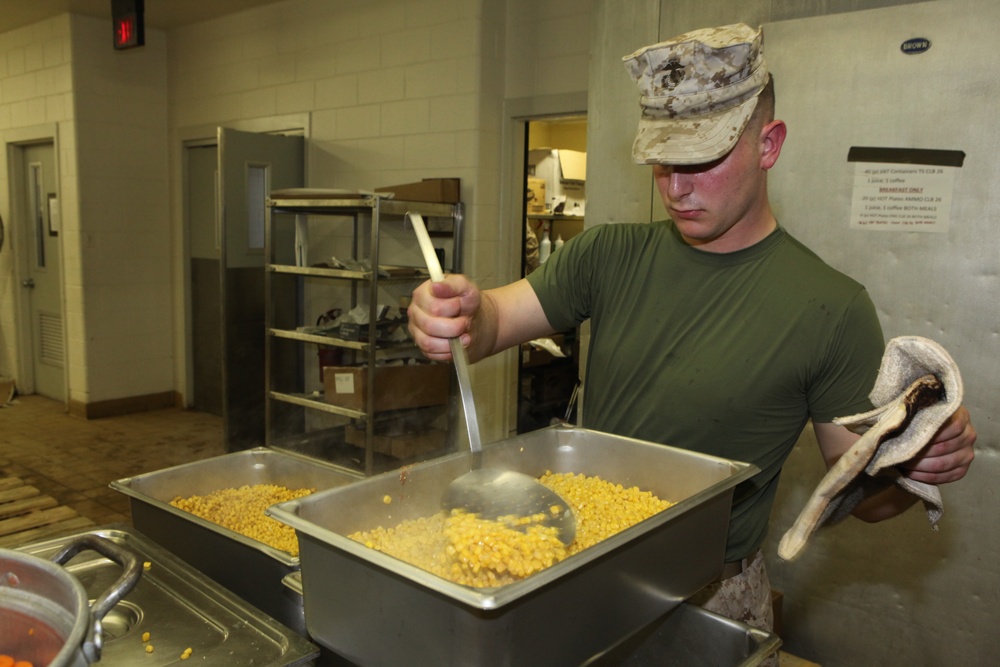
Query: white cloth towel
{"x": 918, "y": 388}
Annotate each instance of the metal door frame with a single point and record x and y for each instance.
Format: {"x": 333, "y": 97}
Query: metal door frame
{"x": 517, "y": 114}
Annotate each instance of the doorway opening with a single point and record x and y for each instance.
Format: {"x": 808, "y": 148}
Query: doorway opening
{"x": 227, "y": 181}
{"x": 548, "y": 370}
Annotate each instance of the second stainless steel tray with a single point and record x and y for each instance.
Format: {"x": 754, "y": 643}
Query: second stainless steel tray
{"x": 251, "y": 569}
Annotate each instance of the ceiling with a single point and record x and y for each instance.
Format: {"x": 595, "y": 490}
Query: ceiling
{"x": 159, "y": 14}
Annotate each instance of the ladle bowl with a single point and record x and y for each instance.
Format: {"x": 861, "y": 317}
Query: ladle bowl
{"x": 493, "y": 493}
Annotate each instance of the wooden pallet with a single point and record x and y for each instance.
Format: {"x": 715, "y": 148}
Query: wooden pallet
{"x": 26, "y": 515}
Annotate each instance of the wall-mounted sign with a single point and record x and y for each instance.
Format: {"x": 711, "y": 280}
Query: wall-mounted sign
{"x": 915, "y": 45}
{"x": 903, "y": 189}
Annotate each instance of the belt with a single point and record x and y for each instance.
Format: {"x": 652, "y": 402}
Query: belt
{"x": 736, "y": 567}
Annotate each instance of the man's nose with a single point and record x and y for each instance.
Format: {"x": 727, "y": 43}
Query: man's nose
{"x": 678, "y": 183}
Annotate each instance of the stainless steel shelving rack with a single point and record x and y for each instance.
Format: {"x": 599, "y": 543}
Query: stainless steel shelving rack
{"x": 287, "y": 399}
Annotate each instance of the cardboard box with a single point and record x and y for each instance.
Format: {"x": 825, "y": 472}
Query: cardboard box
{"x": 8, "y": 389}
{"x": 536, "y": 194}
{"x": 437, "y": 190}
{"x": 396, "y": 387}
{"x": 401, "y": 445}
{"x": 573, "y": 165}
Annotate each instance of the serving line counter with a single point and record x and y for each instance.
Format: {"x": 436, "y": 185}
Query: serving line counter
{"x": 619, "y": 602}
{"x": 249, "y": 568}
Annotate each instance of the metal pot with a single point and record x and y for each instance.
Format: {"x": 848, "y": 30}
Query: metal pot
{"x": 44, "y": 609}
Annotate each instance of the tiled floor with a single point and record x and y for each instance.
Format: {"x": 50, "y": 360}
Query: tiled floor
{"x": 73, "y": 460}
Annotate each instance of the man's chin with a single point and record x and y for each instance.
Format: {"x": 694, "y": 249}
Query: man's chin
{"x": 695, "y": 232}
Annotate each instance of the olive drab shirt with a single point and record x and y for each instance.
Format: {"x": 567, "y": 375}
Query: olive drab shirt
{"x": 726, "y": 354}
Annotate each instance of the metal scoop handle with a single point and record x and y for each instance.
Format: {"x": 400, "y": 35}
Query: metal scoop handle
{"x": 458, "y": 354}
{"x": 490, "y": 492}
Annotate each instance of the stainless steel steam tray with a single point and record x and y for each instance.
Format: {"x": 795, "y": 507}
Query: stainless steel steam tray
{"x": 180, "y": 609}
{"x": 251, "y": 569}
{"x": 373, "y": 609}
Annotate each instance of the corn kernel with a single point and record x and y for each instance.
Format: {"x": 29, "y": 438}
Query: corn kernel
{"x": 472, "y": 551}
{"x": 387, "y": 499}
{"x": 149, "y": 648}
{"x": 145, "y": 636}
{"x": 242, "y": 510}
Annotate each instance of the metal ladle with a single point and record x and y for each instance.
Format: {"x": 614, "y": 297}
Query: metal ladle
{"x": 491, "y": 492}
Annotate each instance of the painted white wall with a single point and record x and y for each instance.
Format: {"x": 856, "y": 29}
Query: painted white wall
{"x": 548, "y": 45}
{"x": 35, "y": 103}
{"x": 107, "y": 111}
{"x": 393, "y": 91}
{"x": 397, "y": 91}
{"x": 122, "y": 344}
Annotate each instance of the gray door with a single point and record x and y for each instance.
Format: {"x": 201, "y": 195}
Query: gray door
{"x": 204, "y": 277}
{"x": 250, "y": 166}
{"x": 43, "y": 278}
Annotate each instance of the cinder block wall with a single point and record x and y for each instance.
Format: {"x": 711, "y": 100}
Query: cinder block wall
{"x": 393, "y": 91}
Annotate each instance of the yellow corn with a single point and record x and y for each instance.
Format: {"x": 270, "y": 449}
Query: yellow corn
{"x": 602, "y": 509}
{"x": 242, "y": 510}
{"x": 468, "y": 550}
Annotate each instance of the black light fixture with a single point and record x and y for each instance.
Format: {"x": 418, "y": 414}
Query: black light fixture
{"x": 127, "y": 19}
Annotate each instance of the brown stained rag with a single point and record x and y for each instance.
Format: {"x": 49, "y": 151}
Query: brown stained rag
{"x": 918, "y": 388}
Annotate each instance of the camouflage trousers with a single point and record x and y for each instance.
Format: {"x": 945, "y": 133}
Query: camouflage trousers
{"x": 745, "y": 598}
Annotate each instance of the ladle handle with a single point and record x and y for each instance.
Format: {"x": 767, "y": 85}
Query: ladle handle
{"x": 458, "y": 354}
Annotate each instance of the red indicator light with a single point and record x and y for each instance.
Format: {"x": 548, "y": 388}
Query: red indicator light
{"x": 124, "y": 32}
{"x": 127, "y": 23}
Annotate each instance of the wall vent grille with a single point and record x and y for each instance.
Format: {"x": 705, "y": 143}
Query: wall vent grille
{"x": 50, "y": 339}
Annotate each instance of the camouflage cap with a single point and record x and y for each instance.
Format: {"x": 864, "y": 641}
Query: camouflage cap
{"x": 698, "y": 92}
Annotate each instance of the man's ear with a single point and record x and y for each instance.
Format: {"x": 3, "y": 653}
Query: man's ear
{"x": 772, "y": 137}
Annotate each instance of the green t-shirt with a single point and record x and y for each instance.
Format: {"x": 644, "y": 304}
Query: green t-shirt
{"x": 726, "y": 354}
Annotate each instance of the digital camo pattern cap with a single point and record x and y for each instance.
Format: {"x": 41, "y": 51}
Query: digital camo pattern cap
{"x": 698, "y": 91}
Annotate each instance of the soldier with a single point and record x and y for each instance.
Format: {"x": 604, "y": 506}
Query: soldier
{"x": 715, "y": 330}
